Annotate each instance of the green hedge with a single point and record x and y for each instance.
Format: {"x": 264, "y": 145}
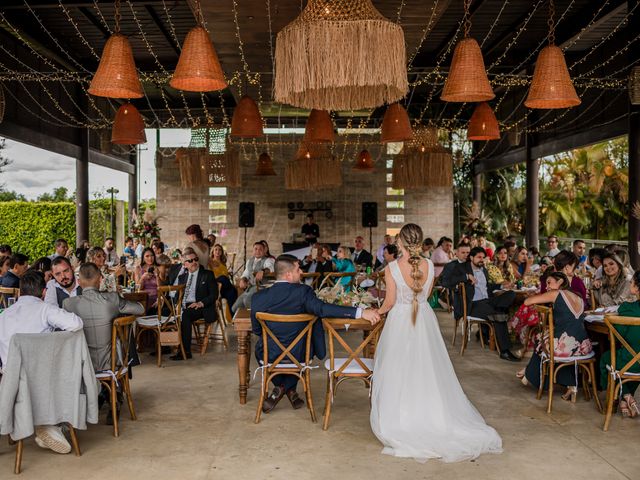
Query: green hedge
{"x": 31, "y": 228}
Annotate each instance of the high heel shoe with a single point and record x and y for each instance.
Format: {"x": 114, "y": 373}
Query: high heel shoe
{"x": 520, "y": 374}
{"x": 570, "y": 394}
{"x": 631, "y": 403}
{"x": 624, "y": 409}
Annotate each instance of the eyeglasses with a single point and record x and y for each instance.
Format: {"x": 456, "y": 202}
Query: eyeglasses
{"x": 190, "y": 260}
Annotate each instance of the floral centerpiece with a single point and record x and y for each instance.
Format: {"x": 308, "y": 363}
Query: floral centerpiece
{"x": 355, "y": 297}
{"x": 145, "y": 228}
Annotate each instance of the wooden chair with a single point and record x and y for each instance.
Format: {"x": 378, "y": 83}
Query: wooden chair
{"x": 468, "y": 322}
{"x": 618, "y": 376}
{"x": 226, "y": 311}
{"x": 121, "y": 332}
{"x": 6, "y": 293}
{"x": 381, "y": 283}
{"x": 267, "y": 277}
{"x": 206, "y": 331}
{"x": 551, "y": 365}
{"x": 140, "y": 297}
{"x": 592, "y": 299}
{"x": 293, "y": 366}
{"x": 355, "y": 365}
{"x": 315, "y": 279}
{"x": 332, "y": 278}
{"x": 166, "y": 324}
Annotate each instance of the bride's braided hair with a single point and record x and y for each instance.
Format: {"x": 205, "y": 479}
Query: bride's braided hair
{"x": 411, "y": 236}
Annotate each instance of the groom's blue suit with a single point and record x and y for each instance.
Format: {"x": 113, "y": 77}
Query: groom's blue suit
{"x": 289, "y": 299}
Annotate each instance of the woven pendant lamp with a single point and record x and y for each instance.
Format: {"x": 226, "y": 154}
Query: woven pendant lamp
{"x": 247, "y": 120}
{"x": 198, "y": 68}
{"x": 265, "y": 166}
{"x": 319, "y": 128}
{"x": 551, "y": 86}
{"x": 308, "y": 170}
{"x": 364, "y": 162}
{"x": 116, "y": 76}
{"x": 483, "y": 124}
{"x": 340, "y": 55}
{"x": 467, "y": 79}
{"x": 396, "y": 126}
{"x": 128, "y": 127}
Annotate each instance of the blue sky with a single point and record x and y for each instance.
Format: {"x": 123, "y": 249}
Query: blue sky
{"x": 34, "y": 171}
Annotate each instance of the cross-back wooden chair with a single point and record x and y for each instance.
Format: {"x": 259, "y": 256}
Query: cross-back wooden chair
{"x": 118, "y": 374}
{"x": 381, "y": 282}
{"x": 354, "y": 365}
{"x": 592, "y": 298}
{"x": 619, "y": 376}
{"x": 166, "y": 324}
{"x": 468, "y": 321}
{"x": 315, "y": 279}
{"x": 286, "y": 363}
{"x": 267, "y": 277}
{"x": 6, "y": 293}
{"x": 140, "y": 297}
{"x": 332, "y": 278}
{"x": 204, "y": 332}
{"x": 551, "y": 365}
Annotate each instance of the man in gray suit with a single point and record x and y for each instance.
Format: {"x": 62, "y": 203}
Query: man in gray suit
{"x": 97, "y": 311}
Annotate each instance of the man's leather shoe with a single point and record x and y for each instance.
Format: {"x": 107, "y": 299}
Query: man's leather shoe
{"x": 272, "y": 400}
{"x": 178, "y": 356}
{"x": 296, "y": 401}
{"x": 507, "y": 355}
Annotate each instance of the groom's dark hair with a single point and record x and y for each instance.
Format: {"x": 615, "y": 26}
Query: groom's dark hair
{"x": 285, "y": 263}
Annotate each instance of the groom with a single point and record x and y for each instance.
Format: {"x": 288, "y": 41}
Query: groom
{"x": 289, "y": 297}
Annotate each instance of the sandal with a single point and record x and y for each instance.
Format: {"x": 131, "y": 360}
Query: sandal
{"x": 631, "y": 403}
{"x": 570, "y": 394}
{"x": 624, "y": 409}
{"x": 520, "y": 374}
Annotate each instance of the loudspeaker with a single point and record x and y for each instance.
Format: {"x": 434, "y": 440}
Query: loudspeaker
{"x": 369, "y": 214}
{"x": 246, "y": 215}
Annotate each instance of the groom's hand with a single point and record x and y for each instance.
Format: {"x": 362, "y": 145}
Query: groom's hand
{"x": 371, "y": 315}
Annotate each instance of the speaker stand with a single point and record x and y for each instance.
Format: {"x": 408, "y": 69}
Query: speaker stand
{"x": 245, "y": 249}
{"x": 371, "y": 241}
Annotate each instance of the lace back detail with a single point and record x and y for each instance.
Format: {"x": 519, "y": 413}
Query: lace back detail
{"x": 404, "y": 293}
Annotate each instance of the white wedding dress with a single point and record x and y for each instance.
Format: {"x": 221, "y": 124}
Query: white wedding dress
{"x": 418, "y": 408}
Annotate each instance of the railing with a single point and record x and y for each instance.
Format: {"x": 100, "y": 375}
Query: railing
{"x": 590, "y": 243}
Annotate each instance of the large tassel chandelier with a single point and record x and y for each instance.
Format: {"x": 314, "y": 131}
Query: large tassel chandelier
{"x": 340, "y": 55}
{"x": 551, "y": 86}
{"x": 423, "y": 162}
{"x": 313, "y": 168}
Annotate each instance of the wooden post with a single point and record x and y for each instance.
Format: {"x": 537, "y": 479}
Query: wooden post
{"x": 532, "y": 226}
{"x": 634, "y": 146}
{"x": 82, "y": 189}
{"x": 477, "y": 189}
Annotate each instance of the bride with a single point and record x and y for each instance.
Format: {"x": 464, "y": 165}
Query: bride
{"x": 418, "y": 408}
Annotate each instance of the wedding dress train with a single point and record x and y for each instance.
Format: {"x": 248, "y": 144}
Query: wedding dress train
{"x": 418, "y": 408}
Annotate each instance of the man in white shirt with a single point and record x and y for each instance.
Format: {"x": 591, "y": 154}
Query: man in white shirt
{"x": 63, "y": 285}
{"x": 552, "y": 244}
{"x": 253, "y": 274}
{"x": 112, "y": 258}
{"x": 30, "y": 314}
{"x": 380, "y": 252}
{"x": 62, "y": 247}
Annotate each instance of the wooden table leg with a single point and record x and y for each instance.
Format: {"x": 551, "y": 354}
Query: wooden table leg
{"x": 243, "y": 365}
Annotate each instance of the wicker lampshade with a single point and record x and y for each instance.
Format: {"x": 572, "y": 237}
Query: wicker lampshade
{"x": 313, "y": 168}
{"x": 467, "y": 80}
{"x": 340, "y": 55}
{"x": 116, "y": 76}
{"x": 319, "y": 127}
{"x": 396, "y": 126}
{"x": 551, "y": 86}
{"x": 265, "y": 166}
{"x": 198, "y": 68}
{"x": 483, "y": 124}
{"x": 128, "y": 127}
{"x": 247, "y": 120}
{"x": 364, "y": 162}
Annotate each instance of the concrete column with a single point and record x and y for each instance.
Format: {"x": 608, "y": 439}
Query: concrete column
{"x": 82, "y": 189}
{"x": 532, "y": 225}
{"x": 133, "y": 185}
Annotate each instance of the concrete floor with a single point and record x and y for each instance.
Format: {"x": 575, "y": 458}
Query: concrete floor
{"x": 191, "y": 426}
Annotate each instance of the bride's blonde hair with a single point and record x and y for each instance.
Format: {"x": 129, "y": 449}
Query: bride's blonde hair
{"x": 411, "y": 236}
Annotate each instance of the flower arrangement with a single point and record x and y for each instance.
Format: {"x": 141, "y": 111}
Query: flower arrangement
{"x": 356, "y": 297}
{"x": 145, "y": 228}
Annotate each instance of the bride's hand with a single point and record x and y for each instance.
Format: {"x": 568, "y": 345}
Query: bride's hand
{"x": 371, "y": 315}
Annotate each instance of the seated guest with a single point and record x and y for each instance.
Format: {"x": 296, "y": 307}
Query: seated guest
{"x": 112, "y": 258}
{"x": 4, "y": 266}
{"x": 267, "y": 252}
{"x": 614, "y": 288}
{"x": 511, "y": 246}
{"x": 631, "y": 333}
{"x": 289, "y": 297}
{"x": 97, "y": 310}
{"x": 482, "y": 302}
{"x": 324, "y": 262}
{"x": 63, "y": 284}
{"x": 442, "y": 255}
{"x": 360, "y": 256}
{"x": 109, "y": 279}
{"x": 566, "y": 262}
{"x": 128, "y": 247}
{"x": 427, "y": 247}
{"x": 501, "y": 269}
{"x": 218, "y": 265}
{"x": 81, "y": 251}
{"x": 5, "y": 250}
{"x": 146, "y": 278}
{"x": 164, "y": 266}
{"x": 552, "y": 245}
{"x": 138, "y": 246}
{"x": 200, "y": 295}
{"x": 158, "y": 248}
{"x": 579, "y": 249}
{"x": 461, "y": 257}
{"x": 521, "y": 263}
{"x": 212, "y": 239}
{"x": 342, "y": 263}
{"x": 43, "y": 265}
{"x": 568, "y": 327}
{"x": 545, "y": 263}
{"x": 308, "y": 263}
{"x": 624, "y": 257}
{"x": 18, "y": 265}
{"x": 61, "y": 249}
{"x": 253, "y": 274}
{"x": 488, "y": 246}
{"x": 196, "y": 241}
{"x": 390, "y": 253}
{"x": 594, "y": 262}
{"x": 388, "y": 240}
{"x": 31, "y": 315}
